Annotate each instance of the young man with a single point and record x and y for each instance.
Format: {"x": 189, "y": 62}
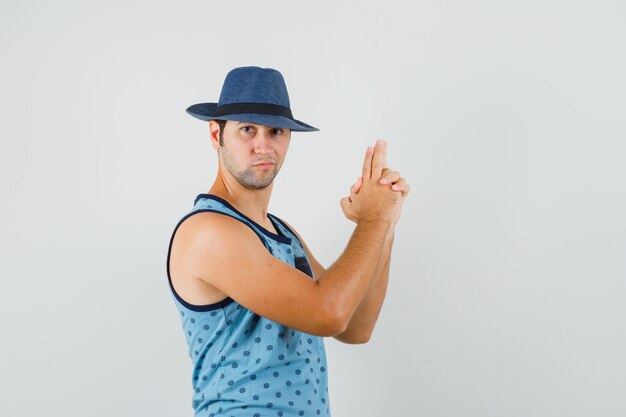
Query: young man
{"x": 254, "y": 302}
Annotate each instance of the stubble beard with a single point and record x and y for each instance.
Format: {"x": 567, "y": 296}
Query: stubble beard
{"x": 249, "y": 178}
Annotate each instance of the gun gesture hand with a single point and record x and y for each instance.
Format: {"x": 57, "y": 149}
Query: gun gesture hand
{"x": 378, "y": 194}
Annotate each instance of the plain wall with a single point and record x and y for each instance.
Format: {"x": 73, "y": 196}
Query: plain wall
{"x": 508, "y": 275}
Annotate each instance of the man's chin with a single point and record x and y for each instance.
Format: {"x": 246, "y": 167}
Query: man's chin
{"x": 258, "y": 186}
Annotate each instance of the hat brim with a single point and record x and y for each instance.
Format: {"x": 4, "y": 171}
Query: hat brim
{"x": 206, "y": 112}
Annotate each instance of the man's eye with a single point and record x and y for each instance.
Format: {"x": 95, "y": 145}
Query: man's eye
{"x": 277, "y": 131}
{"x": 247, "y": 129}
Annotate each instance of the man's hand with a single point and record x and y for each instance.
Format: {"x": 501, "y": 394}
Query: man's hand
{"x": 375, "y": 158}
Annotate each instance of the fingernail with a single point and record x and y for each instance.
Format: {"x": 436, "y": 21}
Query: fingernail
{"x": 383, "y": 181}
{"x": 369, "y": 149}
{"x": 380, "y": 142}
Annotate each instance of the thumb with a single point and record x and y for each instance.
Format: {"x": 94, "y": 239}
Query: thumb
{"x": 345, "y": 204}
{"x": 356, "y": 186}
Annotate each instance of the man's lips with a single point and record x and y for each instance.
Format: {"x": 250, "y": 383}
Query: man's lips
{"x": 264, "y": 163}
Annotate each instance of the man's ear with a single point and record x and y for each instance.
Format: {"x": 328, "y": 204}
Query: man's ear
{"x": 214, "y": 128}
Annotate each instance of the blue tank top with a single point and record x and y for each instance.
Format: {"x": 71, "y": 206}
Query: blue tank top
{"x": 245, "y": 364}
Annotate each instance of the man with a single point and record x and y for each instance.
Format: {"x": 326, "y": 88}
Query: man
{"x": 254, "y": 302}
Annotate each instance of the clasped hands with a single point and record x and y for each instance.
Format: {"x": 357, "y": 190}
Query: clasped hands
{"x": 375, "y": 171}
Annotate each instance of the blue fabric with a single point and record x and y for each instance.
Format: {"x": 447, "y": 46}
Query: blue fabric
{"x": 245, "y": 364}
{"x": 252, "y": 85}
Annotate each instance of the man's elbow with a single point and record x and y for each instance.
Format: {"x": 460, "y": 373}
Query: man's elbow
{"x": 333, "y": 316}
{"x": 352, "y": 339}
{"x": 335, "y": 325}
{"x": 359, "y": 340}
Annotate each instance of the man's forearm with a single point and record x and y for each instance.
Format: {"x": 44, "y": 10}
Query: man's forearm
{"x": 345, "y": 283}
{"x": 363, "y": 320}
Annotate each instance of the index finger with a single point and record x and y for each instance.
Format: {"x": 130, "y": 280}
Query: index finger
{"x": 379, "y": 159}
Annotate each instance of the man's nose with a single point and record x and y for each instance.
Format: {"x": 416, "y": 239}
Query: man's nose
{"x": 262, "y": 142}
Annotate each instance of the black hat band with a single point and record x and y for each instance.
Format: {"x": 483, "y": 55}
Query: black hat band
{"x": 258, "y": 108}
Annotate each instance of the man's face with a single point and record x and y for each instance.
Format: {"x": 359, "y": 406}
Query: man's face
{"x": 253, "y": 154}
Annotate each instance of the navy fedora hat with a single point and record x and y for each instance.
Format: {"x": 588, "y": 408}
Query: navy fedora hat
{"x": 252, "y": 95}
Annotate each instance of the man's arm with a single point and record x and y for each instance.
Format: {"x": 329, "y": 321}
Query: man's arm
{"x": 228, "y": 255}
{"x": 361, "y": 325}
{"x": 361, "y": 322}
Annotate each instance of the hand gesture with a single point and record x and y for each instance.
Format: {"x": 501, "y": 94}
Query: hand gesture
{"x": 376, "y": 177}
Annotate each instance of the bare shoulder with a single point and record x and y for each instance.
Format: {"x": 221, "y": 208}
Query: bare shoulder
{"x": 195, "y": 237}
{"x": 213, "y": 232}
{"x": 207, "y": 225}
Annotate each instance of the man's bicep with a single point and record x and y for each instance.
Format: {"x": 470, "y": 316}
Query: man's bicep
{"x": 230, "y": 256}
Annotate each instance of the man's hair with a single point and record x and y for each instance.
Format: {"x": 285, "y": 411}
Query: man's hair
{"x": 222, "y": 124}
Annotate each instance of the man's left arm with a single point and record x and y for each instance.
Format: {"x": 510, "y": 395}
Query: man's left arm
{"x": 361, "y": 325}
{"x": 362, "y": 322}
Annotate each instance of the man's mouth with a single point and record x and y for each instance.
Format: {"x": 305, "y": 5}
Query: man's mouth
{"x": 264, "y": 164}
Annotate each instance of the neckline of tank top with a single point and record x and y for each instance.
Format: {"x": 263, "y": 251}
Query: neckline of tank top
{"x": 279, "y": 237}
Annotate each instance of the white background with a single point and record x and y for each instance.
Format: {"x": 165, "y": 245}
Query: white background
{"x": 508, "y": 276}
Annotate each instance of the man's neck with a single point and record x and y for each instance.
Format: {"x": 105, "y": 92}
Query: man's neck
{"x": 252, "y": 203}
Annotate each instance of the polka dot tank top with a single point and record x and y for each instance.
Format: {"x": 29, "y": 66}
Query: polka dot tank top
{"x": 245, "y": 364}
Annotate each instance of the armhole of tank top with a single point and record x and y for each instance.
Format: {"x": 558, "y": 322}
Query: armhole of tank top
{"x": 197, "y": 307}
{"x": 302, "y": 263}
{"x": 282, "y": 223}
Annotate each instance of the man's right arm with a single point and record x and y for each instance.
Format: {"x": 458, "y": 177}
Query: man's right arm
{"x": 228, "y": 255}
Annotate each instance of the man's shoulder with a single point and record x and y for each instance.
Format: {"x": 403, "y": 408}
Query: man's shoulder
{"x": 210, "y": 224}
{"x": 217, "y": 239}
